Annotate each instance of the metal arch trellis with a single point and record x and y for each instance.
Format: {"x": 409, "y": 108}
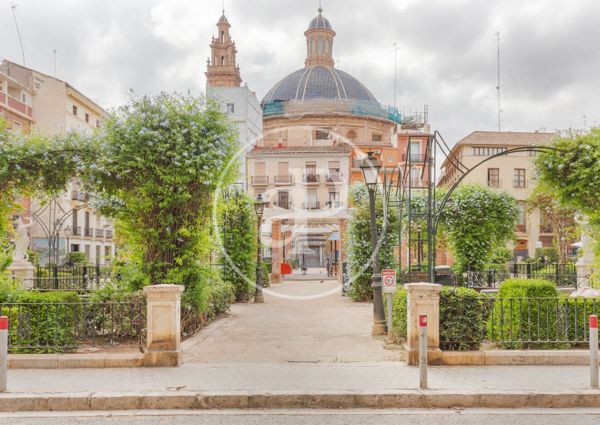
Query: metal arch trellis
{"x": 406, "y": 187}
{"x": 52, "y": 228}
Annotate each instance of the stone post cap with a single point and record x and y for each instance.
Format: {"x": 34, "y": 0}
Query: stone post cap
{"x": 163, "y": 291}
{"x": 423, "y": 287}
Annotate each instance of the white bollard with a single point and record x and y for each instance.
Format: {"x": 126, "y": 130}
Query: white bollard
{"x": 594, "y": 350}
{"x": 3, "y": 352}
{"x": 423, "y": 351}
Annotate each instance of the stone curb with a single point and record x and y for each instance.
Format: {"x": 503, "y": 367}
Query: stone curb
{"x": 72, "y": 361}
{"x": 516, "y": 357}
{"x": 20, "y": 402}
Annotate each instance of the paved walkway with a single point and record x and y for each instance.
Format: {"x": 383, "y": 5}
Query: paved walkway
{"x": 300, "y": 321}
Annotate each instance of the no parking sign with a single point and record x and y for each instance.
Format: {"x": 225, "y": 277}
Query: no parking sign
{"x": 388, "y": 280}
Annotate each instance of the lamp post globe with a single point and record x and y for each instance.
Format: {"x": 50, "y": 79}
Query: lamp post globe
{"x": 259, "y": 208}
{"x": 370, "y": 168}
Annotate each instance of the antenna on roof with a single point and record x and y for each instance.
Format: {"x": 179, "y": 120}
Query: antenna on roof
{"x": 498, "y": 85}
{"x": 14, "y": 12}
{"x": 55, "y": 52}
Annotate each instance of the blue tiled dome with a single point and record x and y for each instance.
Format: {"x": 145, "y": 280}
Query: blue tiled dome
{"x": 320, "y": 83}
{"x": 320, "y": 22}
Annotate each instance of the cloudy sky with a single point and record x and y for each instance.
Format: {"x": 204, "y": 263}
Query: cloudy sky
{"x": 446, "y": 51}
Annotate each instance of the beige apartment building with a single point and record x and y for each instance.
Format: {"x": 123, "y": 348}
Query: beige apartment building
{"x": 514, "y": 173}
{"x": 55, "y": 107}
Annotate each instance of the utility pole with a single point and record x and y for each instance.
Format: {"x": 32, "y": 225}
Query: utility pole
{"x": 498, "y": 85}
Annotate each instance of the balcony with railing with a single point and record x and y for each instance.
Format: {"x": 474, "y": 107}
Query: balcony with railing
{"x": 414, "y": 158}
{"x": 311, "y": 178}
{"x": 284, "y": 179}
{"x": 311, "y": 205}
{"x": 259, "y": 180}
{"x": 546, "y": 228}
{"x": 108, "y": 234}
{"x": 99, "y": 233}
{"x": 16, "y": 105}
{"x": 88, "y": 232}
{"x": 335, "y": 204}
{"x": 77, "y": 231}
{"x": 333, "y": 177}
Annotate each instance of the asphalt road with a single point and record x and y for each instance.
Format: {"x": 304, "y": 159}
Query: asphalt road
{"x": 315, "y": 417}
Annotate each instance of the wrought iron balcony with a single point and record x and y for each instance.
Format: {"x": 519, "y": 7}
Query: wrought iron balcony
{"x": 108, "y": 234}
{"x": 311, "y": 178}
{"x": 311, "y": 205}
{"x": 260, "y": 180}
{"x": 99, "y": 233}
{"x": 283, "y": 179}
{"x": 333, "y": 177}
{"x": 88, "y": 232}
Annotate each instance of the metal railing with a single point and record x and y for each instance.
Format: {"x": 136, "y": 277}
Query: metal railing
{"x": 311, "y": 178}
{"x": 537, "y": 322}
{"x": 313, "y": 205}
{"x": 333, "y": 177}
{"x": 108, "y": 234}
{"x": 69, "y": 278}
{"x": 99, "y": 233}
{"x": 259, "y": 179}
{"x": 88, "y": 232}
{"x": 77, "y": 231}
{"x": 283, "y": 179}
{"x": 561, "y": 274}
{"x": 67, "y": 326}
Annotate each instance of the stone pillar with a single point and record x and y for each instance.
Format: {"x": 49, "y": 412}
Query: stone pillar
{"x": 23, "y": 271}
{"x": 423, "y": 298}
{"x": 163, "y": 318}
{"x": 276, "y": 251}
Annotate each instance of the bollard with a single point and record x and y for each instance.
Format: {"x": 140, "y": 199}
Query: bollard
{"x": 3, "y": 352}
{"x": 594, "y": 351}
{"x": 423, "y": 351}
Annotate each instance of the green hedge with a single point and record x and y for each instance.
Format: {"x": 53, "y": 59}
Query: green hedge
{"x": 462, "y": 319}
{"x": 516, "y": 311}
{"x": 399, "y": 315}
{"x": 44, "y": 321}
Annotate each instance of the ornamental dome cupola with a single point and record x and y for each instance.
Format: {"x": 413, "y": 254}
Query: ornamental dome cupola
{"x": 319, "y": 41}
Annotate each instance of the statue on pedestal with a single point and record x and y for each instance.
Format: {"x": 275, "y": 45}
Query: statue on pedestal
{"x": 21, "y": 239}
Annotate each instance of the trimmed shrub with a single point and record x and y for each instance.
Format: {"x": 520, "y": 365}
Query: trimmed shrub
{"x": 220, "y": 296}
{"x": 523, "y": 311}
{"x": 462, "y": 319}
{"x": 399, "y": 314}
{"x": 45, "y": 324}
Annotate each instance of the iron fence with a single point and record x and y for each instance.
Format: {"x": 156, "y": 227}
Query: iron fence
{"x": 68, "y": 326}
{"x": 561, "y": 274}
{"x": 69, "y": 278}
{"x": 557, "y": 322}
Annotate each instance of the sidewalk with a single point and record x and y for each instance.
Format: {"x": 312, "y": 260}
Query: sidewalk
{"x": 298, "y": 385}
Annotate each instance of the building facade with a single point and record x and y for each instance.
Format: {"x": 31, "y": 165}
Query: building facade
{"x": 224, "y": 86}
{"x": 57, "y": 107}
{"x": 514, "y": 173}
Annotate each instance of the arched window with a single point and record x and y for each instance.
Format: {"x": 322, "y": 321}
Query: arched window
{"x": 222, "y": 60}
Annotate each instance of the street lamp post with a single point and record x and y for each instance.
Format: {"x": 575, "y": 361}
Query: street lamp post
{"x": 259, "y": 207}
{"x": 68, "y": 232}
{"x": 370, "y": 168}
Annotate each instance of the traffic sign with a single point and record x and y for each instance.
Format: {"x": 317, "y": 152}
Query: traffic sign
{"x": 388, "y": 280}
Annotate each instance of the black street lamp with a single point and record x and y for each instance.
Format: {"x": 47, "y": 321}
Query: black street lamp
{"x": 370, "y": 168}
{"x": 259, "y": 207}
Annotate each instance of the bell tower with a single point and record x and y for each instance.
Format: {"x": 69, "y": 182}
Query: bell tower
{"x": 221, "y": 69}
{"x": 319, "y": 41}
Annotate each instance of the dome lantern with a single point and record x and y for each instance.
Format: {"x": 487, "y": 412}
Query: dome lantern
{"x": 319, "y": 41}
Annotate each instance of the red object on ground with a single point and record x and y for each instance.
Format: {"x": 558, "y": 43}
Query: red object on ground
{"x": 594, "y": 321}
{"x": 286, "y": 268}
{"x": 422, "y": 320}
{"x": 3, "y": 322}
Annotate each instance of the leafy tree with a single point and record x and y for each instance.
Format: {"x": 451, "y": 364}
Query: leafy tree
{"x": 159, "y": 160}
{"x": 477, "y": 221}
{"x": 559, "y": 216}
{"x": 238, "y": 236}
{"x": 572, "y": 172}
{"x": 359, "y": 241}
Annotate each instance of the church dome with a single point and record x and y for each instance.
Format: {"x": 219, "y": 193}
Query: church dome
{"x": 319, "y": 22}
{"x": 319, "y": 82}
